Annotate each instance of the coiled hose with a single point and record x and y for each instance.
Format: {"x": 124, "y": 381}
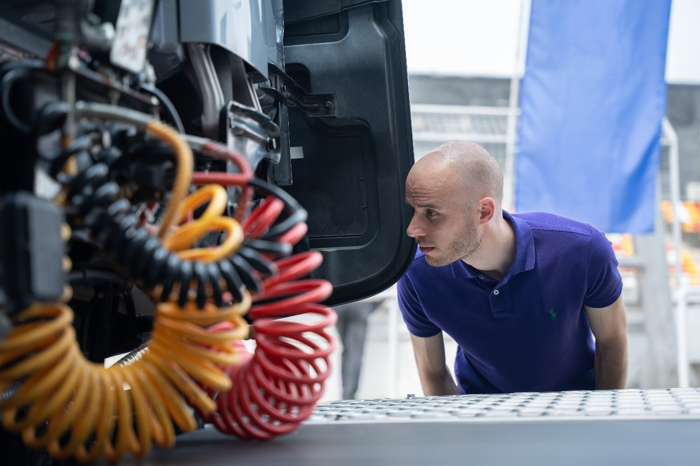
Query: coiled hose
{"x": 62, "y": 402}
{"x": 73, "y": 407}
{"x": 277, "y": 388}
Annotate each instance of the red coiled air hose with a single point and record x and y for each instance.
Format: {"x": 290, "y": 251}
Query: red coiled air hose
{"x": 277, "y": 388}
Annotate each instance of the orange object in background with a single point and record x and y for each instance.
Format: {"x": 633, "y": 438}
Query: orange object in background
{"x": 627, "y": 244}
{"x": 694, "y": 213}
{"x": 622, "y": 243}
{"x": 667, "y": 211}
{"x": 690, "y": 267}
{"x": 692, "y": 225}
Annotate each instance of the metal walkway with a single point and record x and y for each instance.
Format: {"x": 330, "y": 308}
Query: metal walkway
{"x": 641, "y": 427}
{"x": 676, "y": 403}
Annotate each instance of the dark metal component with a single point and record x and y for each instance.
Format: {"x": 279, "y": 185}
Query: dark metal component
{"x": 248, "y": 132}
{"x": 294, "y": 95}
{"x": 281, "y": 173}
{"x": 23, "y": 36}
{"x": 282, "y": 93}
{"x": 238, "y": 112}
{"x": 97, "y": 87}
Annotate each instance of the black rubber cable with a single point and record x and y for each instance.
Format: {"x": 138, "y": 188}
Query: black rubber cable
{"x": 160, "y": 95}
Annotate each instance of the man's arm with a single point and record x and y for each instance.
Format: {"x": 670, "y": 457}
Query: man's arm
{"x": 430, "y": 359}
{"x": 609, "y": 326}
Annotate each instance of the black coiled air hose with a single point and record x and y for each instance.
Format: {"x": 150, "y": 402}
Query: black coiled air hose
{"x": 114, "y": 224}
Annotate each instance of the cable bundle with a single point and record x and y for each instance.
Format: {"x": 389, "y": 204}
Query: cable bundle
{"x": 72, "y": 407}
{"x": 60, "y": 401}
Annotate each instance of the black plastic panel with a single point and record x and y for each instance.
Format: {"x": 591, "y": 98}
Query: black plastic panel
{"x": 351, "y": 177}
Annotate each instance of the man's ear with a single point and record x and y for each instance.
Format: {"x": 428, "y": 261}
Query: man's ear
{"x": 487, "y": 208}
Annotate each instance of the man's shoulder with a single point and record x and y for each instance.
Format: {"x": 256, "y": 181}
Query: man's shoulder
{"x": 544, "y": 222}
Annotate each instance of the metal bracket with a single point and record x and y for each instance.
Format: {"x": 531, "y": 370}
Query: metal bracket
{"x": 293, "y": 95}
{"x": 250, "y": 133}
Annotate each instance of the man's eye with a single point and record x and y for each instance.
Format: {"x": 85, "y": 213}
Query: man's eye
{"x": 431, "y": 213}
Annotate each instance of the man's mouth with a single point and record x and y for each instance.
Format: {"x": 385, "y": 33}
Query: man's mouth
{"x": 426, "y": 249}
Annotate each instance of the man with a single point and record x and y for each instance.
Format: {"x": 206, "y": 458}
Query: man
{"x": 523, "y": 295}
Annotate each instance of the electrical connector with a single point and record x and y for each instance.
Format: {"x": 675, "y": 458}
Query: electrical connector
{"x": 31, "y": 250}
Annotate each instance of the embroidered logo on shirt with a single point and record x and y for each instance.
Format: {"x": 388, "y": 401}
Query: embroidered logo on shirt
{"x": 552, "y": 314}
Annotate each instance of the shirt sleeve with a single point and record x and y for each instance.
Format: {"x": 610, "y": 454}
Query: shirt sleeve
{"x": 412, "y": 310}
{"x": 604, "y": 281}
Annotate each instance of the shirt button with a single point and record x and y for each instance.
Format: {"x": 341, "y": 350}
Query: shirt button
{"x": 496, "y": 292}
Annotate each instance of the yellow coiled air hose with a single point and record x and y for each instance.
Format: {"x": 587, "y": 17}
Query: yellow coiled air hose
{"x": 73, "y": 407}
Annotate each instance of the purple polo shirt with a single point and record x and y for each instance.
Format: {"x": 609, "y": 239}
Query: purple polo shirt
{"x": 528, "y": 331}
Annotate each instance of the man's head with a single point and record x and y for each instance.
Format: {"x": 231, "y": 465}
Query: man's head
{"x": 455, "y": 191}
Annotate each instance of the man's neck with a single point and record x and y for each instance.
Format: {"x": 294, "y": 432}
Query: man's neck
{"x": 497, "y": 251}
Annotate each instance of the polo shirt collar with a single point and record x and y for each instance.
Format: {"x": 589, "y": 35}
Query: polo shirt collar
{"x": 524, "y": 252}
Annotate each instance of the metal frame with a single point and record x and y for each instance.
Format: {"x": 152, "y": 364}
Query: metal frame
{"x": 681, "y": 292}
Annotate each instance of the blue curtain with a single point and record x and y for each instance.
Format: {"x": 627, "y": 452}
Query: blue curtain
{"x": 592, "y": 100}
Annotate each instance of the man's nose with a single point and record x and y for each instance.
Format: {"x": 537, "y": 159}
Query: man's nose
{"x": 415, "y": 230}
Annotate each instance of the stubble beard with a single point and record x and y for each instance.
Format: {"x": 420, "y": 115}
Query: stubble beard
{"x": 462, "y": 248}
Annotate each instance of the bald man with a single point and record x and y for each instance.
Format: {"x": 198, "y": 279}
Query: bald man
{"x": 533, "y": 300}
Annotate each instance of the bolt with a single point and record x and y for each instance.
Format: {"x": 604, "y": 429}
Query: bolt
{"x": 329, "y": 104}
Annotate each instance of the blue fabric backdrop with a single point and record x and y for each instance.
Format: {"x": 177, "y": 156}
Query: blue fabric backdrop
{"x": 592, "y": 99}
